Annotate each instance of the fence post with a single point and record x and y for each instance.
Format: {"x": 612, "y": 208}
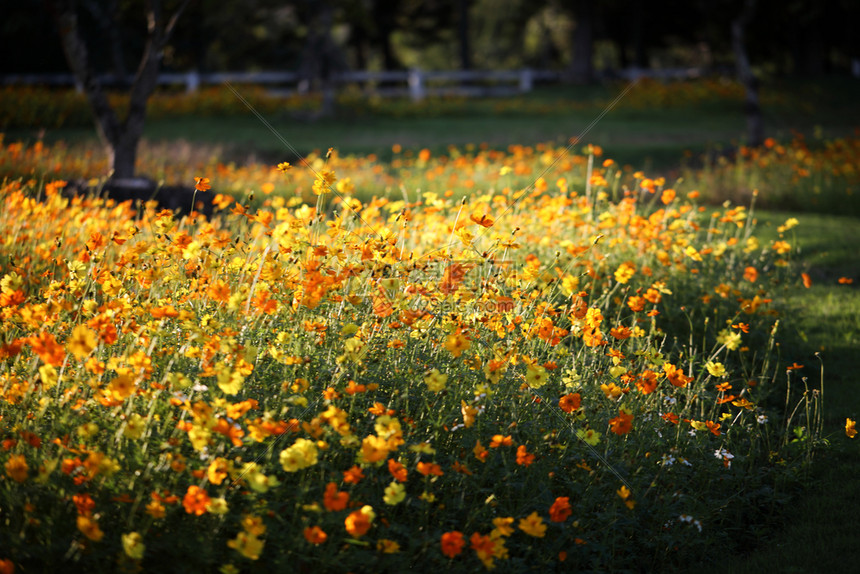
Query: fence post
{"x": 526, "y": 80}
{"x": 192, "y": 81}
{"x": 416, "y": 85}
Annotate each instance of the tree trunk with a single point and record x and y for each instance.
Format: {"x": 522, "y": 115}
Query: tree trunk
{"x": 463, "y": 33}
{"x": 752, "y": 109}
{"x": 384, "y": 16}
{"x": 120, "y": 137}
{"x": 582, "y": 63}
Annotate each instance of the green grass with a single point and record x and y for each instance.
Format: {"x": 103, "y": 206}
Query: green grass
{"x": 819, "y": 527}
{"x": 644, "y": 139}
{"x": 642, "y": 130}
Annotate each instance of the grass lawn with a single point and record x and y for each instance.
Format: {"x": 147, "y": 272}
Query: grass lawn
{"x": 652, "y": 127}
{"x": 818, "y": 535}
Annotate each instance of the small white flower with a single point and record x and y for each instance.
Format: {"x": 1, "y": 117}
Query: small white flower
{"x": 668, "y": 460}
{"x": 761, "y": 419}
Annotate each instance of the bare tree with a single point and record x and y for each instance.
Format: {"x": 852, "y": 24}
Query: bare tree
{"x": 120, "y": 136}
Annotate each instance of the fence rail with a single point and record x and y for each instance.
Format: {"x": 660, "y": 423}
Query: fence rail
{"x": 416, "y": 84}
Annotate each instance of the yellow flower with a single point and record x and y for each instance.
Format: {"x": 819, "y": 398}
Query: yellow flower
{"x": 301, "y": 455}
{"x": 253, "y": 525}
{"x": 589, "y": 436}
{"x": 133, "y": 546}
{"x": 624, "y": 272}
{"x": 81, "y": 342}
{"x": 533, "y": 525}
{"x": 456, "y": 343}
{"x": 536, "y": 376}
{"x": 134, "y": 426}
{"x": 247, "y": 545}
{"x": 217, "y": 506}
{"x": 387, "y": 546}
{"x": 469, "y": 412}
{"x": 12, "y": 282}
{"x": 345, "y": 186}
{"x": 394, "y": 493}
{"x": 373, "y": 449}
{"x": 325, "y": 178}
{"x": 716, "y": 369}
{"x": 199, "y": 436}
{"x": 729, "y": 338}
{"x": 230, "y": 381}
{"x": 218, "y": 470}
{"x": 850, "y": 430}
{"x": 121, "y": 387}
{"x": 624, "y": 494}
{"x": 284, "y": 167}
{"x": 435, "y": 380}
{"x": 49, "y": 376}
{"x": 502, "y": 527}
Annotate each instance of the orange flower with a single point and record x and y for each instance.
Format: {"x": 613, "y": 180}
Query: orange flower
{"x": 397, "y": 470}
{"x": 647, "y": 382}
{"x": 315, "y": 535}
{"x": 427, "y": 468}
{"x": 452, "y": 543}
{"x": 620, "y": 332}
{"x": 570, "y": 402}
{"x": 334, "y": 500}
{"x": 484, "y": 220}
{"x": 84, "y": 504}
{"x": 713, "y": 427}
{"x": 499, "y": 440}
{"x": 560, "y": 509}
{"x": 48, "y": 349}
{"x": 484, "y": 548}
{"x": 807, "y": 280}
{"x": 621, "y": 424}
{"x": 675, "y": 375}
{"x": 751, "y": 274}
{"x": 636, "y": 303}
{"x": 667, "y": 196}
{"x": 353, "y": 475}
{"x": 358, "y": 522}
{"x": 524, "y": 458}
{"x": 90, "y": 528}
{"x": 196, "y": 500}
{"x": 202, "y": 184}
{"x": 670, "y": 418}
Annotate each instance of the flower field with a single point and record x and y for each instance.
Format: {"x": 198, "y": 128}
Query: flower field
{"x": 494, "y": 359}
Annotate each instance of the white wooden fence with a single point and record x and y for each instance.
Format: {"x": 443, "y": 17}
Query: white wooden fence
{"x": 416, "y": 84}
